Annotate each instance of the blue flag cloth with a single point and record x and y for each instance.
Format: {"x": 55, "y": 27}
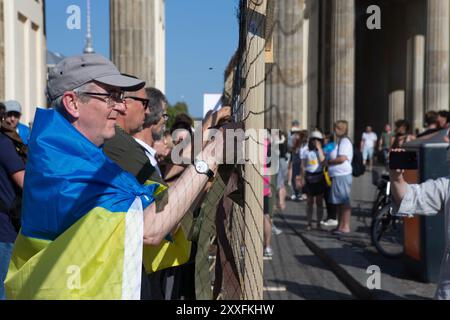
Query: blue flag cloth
{"x": 24, "y": 133}
{"x": 66, "y": 176}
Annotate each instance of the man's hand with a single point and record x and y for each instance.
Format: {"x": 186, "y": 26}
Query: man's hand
{"x": 318, "y": 145}
{"x": 398, "y": 184}
{"x": 220, "y": 116}
{"x": 397, "y": 174}
{"x": 217, "y": 151}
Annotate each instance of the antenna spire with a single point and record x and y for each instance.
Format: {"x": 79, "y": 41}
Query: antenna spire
{"x": 89, "y": 47}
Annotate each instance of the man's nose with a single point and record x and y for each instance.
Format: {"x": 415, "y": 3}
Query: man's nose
{"x": 120, "y": 107}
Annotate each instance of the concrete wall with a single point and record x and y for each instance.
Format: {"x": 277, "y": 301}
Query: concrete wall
{"x": 24, "y": 55}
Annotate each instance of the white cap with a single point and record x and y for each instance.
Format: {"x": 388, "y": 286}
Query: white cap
{"x": 316, "y": 135}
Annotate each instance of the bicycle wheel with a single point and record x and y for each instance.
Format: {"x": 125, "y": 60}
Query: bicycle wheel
{"x": 378, "y": 203}
{"x": 387, "y": 233}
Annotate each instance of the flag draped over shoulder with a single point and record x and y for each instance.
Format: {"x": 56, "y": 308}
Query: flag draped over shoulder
{"x": 174, "y": 250}
{"x": 82, "y": 220}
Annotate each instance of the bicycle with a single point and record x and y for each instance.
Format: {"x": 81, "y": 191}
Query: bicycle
{"x": 386, "y": 229}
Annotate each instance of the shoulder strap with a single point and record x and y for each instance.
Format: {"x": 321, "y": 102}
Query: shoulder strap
{"x": 339, "y": 144}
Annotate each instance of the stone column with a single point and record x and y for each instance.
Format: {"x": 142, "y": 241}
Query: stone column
{"x": 133, "y": 38}
{"x": 437, "y": 55}
{"x": 396, "y": 49}
{"x": 396, "y": 106}
{"x": 342, "y": 56}
{"x": 285, "y": 76}
{"x": 416, "y": 68}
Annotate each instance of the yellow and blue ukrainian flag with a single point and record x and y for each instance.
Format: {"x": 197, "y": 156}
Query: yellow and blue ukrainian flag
{"x": 174, "y": 250}
{"x": 82, "y": 220}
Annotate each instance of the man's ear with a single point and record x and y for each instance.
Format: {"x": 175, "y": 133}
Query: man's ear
{"x": 70, "y": 103}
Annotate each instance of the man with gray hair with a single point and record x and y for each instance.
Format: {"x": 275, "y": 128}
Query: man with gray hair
{"x": 86, "y": 239}
{"x": 154, "y": 125}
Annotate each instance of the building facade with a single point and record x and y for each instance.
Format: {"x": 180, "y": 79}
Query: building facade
{"x": 137, "y": 35}
{"x": 369, "y": 62}
{"x": 22, "y": 54}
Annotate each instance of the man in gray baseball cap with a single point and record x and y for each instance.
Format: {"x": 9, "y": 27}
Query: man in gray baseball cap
{"x": 88, "y": 91}
{"x": 12, "y": 119}
{"x": 76, "y": 71}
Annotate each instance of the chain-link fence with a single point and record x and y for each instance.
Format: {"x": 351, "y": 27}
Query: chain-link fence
{"x": 230, "y": 247}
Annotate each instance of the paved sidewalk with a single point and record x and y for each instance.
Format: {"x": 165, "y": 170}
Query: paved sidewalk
{"x": 294, "y": 272}
{"x": 324, "y": 266}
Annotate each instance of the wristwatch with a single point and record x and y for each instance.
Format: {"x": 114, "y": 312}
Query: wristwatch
{"x": 202, "y": 168}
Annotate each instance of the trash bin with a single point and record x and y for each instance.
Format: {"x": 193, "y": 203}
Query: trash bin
{"x": 424, "y": 236}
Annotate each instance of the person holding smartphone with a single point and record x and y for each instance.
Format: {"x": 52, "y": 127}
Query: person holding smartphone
{"x": 312, "y": 174}
{"x": 428, "y": 198}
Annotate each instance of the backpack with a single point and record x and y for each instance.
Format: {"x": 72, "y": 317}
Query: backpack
{"x": 358, "y": 167}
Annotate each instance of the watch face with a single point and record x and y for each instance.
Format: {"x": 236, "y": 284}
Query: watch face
{"x": 201, "y": 166}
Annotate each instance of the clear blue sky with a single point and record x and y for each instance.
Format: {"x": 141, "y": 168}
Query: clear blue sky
{"x": 200, "y": 34}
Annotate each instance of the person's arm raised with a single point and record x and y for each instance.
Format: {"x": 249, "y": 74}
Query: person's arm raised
{"x": 427, "y": 198}
{"x": 398, "y": 183}
{"x": 182, "y": 195}
{"x": 320, "y": 151}
{"x": 211, "y": 120}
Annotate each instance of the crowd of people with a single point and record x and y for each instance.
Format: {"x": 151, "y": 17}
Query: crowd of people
{"x": 319, "y": 167}
{"x": 100, "y": 186}
{"x": 316, "y": 167}
{"x": 98, "y": 172}
{"x": 322, "y": 166}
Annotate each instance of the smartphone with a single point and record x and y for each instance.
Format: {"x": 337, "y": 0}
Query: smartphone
{"x": 406, "y": 160}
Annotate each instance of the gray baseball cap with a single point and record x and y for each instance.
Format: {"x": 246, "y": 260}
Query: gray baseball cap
{"x": 13, "y": 105}
{"x": 73, "y": 72}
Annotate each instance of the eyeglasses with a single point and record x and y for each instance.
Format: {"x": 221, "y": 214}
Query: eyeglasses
{"x": 144, "y": 101}
{"x": 165, "y": 117}
{"x": 14, "y": 114}
{"x": 111, "y": 97}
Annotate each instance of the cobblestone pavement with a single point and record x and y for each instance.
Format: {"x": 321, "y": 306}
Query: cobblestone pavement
{"x": 308, "y": 275}
{"x": 294, "y": 272}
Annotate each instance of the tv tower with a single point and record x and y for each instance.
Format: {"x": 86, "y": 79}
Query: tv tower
{"x": 88, "y": 48}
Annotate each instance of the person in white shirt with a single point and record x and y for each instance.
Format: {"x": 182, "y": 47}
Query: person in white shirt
{"x": 368, "y": 141}
{"x": 312, "y": 174}
{"x": 340, "y": 170}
